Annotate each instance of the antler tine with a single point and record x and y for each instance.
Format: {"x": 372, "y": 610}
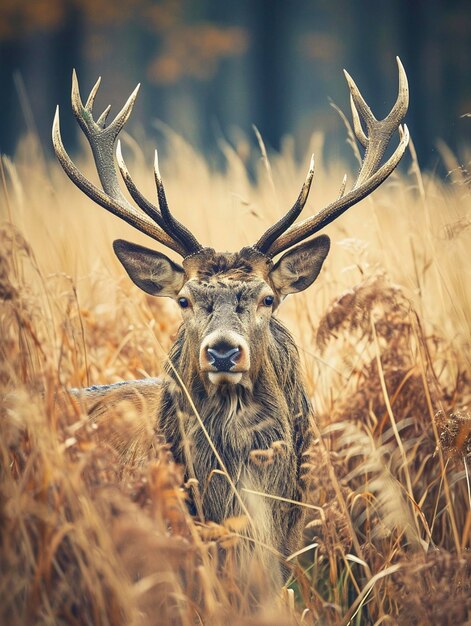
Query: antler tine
{"x": 101, "y": 121}
{"x": 165, "y": 220}
{"x": 93, "y": 92}
{"x": 375, "y": 141}
{"x": 126, "y": 212}
{"x": 102, "y": 141}
{"x": 267, "y": 239}
{"x": 401, "y": 105}
{"x": 183, "y": 234}
{"x": 151, "y": 210}
{"x": 357, "y": 127}
{"x": 342, "y": 186}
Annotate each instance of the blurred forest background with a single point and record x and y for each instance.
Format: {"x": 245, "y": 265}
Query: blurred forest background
{"x": 210, "y": 67}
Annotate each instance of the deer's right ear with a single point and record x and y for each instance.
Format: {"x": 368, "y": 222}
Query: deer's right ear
{"x": 300, "y": 266}
{"x": 150, "y": 270}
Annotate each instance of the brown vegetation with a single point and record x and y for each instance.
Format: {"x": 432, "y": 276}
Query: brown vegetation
{"x": 95, "y": 531}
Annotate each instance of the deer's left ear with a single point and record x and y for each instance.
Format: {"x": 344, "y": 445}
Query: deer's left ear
{"x": 299, "y": 268}
{"x": 150, "y": 270}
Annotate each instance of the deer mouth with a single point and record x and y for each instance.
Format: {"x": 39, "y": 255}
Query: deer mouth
{"x": 217, "y": 378}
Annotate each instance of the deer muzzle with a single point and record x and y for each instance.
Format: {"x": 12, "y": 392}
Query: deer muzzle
{"x": 224, "y": 357}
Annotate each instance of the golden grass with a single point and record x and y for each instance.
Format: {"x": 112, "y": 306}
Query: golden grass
{"x": 94, "y": 533}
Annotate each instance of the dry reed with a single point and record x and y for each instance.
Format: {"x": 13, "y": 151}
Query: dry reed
{"x": 93, "y": 522}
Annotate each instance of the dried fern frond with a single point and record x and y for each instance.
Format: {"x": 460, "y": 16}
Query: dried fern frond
{"x": 351, "y": 312}
{"x": 435, "y": 590}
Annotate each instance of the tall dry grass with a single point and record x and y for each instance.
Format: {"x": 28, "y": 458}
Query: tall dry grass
{"x": 95, "y": 533}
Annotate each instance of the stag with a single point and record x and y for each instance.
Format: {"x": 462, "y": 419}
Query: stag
{"x": 233, "y": 390}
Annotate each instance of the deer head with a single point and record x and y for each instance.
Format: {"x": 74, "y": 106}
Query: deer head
{"x": 227, "y": 299}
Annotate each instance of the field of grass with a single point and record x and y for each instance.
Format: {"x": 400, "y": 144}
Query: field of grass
{"x": 92, "y": 536}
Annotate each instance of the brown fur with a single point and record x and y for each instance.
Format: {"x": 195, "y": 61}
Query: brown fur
{"x": 260, "y": 427}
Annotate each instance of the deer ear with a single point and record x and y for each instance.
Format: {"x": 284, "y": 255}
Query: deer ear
{"x": 299, "y": 268}
{"x": 150, "y": 270}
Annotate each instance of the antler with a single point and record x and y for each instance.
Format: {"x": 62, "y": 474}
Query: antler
{"x": 162, "y": 226}
{"x": 375, "y": 141}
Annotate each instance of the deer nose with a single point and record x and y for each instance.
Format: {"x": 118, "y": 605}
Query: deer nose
{"x": 223, "y": 358}
{"x": 224, "y": 351}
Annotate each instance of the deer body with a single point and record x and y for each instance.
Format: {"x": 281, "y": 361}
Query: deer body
{"x": 268, "y": 412}
{"x": 232, "y": 407}
{"x": 240, "y": 423}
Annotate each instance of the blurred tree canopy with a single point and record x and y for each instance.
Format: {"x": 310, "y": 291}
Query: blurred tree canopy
{"x": 210, "y": 66}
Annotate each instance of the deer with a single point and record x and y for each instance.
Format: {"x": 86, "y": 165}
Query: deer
{"x": 233, "y": 392}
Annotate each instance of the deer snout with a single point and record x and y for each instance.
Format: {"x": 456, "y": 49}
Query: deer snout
{"x": 226, "y": 354}
{"x": 223, "y": 360}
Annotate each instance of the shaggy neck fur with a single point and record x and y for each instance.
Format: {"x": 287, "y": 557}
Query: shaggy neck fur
{"x": 243, "y": 422}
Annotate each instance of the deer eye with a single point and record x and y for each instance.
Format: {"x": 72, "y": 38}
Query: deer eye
{"x": 268, "y": 300}
{"x": 184, "y": 303}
